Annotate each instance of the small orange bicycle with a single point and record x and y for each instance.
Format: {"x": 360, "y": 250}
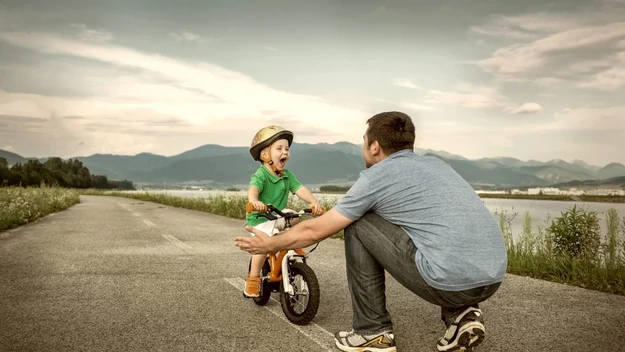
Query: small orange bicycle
{"x": 286, "y": 272}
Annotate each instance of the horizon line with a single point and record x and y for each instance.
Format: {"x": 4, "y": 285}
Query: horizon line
{"x": 312, "y": 144}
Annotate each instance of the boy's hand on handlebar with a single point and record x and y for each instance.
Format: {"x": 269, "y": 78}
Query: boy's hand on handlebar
{"x": 258, "y": 205}
{"x": 255, "y": 206}
{"x": 317, "y": 209}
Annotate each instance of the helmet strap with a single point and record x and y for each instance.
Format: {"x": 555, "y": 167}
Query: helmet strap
{"x": 274, "y": 168}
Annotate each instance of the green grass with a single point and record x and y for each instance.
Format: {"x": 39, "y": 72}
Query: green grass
{"x": 535, "y": 252}
{"x": 19, "y": 206}
{"x": 532, "y": 253}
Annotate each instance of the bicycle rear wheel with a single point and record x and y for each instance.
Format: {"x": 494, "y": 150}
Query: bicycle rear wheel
{"x": 265, "y": 287}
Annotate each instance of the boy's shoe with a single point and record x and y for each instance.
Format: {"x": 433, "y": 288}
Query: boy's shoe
{"x": 350, "y": 341}
{"x": 465, "y": 332}
{"x": 252, "y": 287}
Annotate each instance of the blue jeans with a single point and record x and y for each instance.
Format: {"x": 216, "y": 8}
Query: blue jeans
{"x": 373, "y": 245}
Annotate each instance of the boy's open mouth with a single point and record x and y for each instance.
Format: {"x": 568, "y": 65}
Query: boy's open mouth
{"x": 283, "y": 161}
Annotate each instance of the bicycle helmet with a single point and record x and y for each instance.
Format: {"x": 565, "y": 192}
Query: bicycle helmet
{"x": 265, "y": 137}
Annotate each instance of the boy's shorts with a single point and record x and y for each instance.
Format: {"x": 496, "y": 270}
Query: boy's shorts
{"x": 272, "y": 227}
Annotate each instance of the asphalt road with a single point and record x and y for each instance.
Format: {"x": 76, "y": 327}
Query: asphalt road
{"x": 116, "y": 274}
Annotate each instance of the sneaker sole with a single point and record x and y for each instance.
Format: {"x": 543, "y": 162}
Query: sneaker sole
{"x": 247, "y": 296}
{"x": 364, "y": 349}
{"x": 470, "y": 336}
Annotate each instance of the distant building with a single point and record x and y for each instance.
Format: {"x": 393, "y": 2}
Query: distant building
{"x": 575, "y": 191}
{"x": 545, "y": 191}
{"x": 606, "y": 192}
{"x": 490, "y": 192}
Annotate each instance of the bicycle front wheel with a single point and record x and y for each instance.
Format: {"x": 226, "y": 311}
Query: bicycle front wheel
{"x": 301, "y": 307}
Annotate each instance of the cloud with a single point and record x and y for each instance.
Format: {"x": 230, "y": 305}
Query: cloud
{"x": 13, "y": 106}
{"x": 527, "y": 108}
{"x": 464, "y": 94}
{"x": 271, "y": 48}
{"x": 418, "y": 107}
{"x": 468, "y": 96}
{"x": 582, "y": 48}
{"x": 21, "y": 119}
{"x": 409, "y": 105}
{"x": 497, "y": 31}
{"x": 405, "y": 83}
{"x": 608, "y": 80}
{"x": 614, "y": 2}
{"x": 8, "y": 148}
{"x": 27, "y": 133}
{"x": 606, "y": 120}
{"x": 592, "y": 129}
{"x": 151, "y": 87}
{"x": 92, "y": 35}
{"x": 186, "y": 36}
{"x": 4, "y": 15}
{"x": 528, "y": 26}
{"x": 524, "y": 58}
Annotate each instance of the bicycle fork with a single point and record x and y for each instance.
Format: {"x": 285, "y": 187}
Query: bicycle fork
{"x": 290, "y": 256}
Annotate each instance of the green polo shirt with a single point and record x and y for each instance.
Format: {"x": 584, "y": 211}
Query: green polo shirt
{"x": 272, "y": 190}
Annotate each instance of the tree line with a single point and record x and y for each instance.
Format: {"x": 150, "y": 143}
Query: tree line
{"x": 56, "y": 172}
{"x": 334, "y": 189}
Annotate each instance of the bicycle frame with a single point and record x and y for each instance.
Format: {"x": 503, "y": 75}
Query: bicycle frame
{"x": 279, "y": 261}
{"x": 277, "y": 272}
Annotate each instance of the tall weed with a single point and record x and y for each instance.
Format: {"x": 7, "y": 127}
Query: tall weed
{"x": 19, "y": 206}
{"x": 576, "y": 233}
{"x": 569, "y": 250}
{"x": 623, "y": 239}
{"x": 612, "y": 224}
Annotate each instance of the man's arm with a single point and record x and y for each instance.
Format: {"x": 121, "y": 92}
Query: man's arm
{"x": 301, "y": 235}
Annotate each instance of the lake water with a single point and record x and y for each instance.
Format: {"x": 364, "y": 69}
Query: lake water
{"x": 539, "y": 210}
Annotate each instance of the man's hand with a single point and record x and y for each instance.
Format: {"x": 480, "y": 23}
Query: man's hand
{"x": 317, "y": 209}
{"x": 257, "y": 244}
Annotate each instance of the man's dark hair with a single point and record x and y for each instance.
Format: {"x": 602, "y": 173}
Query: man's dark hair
{"x": 393, "y": 130}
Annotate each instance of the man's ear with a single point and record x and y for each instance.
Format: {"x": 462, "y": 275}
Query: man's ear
{"x": 375, "y": 148}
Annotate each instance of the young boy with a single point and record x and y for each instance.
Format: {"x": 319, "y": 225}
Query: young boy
{"x": 271, "y": 184}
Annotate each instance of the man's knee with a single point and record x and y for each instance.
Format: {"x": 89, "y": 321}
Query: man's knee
{"x": 358, "y": 225}
{"x": 368, "y": 222}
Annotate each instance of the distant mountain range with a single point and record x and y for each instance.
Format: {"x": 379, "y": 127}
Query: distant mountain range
{"x": 318, "y": 164}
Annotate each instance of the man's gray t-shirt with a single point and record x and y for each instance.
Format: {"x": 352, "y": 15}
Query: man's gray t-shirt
{"x": 459, "y": 243}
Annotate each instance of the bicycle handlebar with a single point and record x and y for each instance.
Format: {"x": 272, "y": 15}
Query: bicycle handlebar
{"x": 268, "y": 209}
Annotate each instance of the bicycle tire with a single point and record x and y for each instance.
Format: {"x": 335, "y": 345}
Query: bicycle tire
{"x": 311, "y": 308}
{"x": 265, "y": 289}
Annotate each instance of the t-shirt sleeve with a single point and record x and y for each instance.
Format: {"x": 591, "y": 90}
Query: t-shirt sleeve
{"x": 358, "y": 200}
{"x": 294, "y": 184}
{"x": 257, "y": 181}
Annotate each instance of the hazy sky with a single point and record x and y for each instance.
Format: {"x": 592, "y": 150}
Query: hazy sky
{"x": 528, "y": 79}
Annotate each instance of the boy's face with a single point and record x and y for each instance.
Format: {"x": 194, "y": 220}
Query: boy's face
{"x": 279, "y": 153}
